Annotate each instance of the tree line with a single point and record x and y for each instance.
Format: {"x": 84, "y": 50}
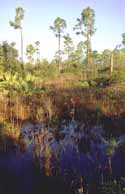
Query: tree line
{"x": 24, "y": 92}
{"x": 82, "y": 55}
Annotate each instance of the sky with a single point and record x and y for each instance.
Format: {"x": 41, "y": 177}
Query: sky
{"x": 40, "y": 14}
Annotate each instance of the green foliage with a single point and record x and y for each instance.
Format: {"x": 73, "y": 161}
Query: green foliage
{"x": 6, "y": 129}
{"x": 78, "y": 56}
{"x": 123, "y": 39}
{"x": 8, "y": 56}
{"x": 85, "y": 27}
{"x": 119, "y": 77}
{"x": 37, "y": 48}
{"x": 58, "y": 28}
{"x": 39, "y": 74}
{"x": 111, "y": 147}
{"x": 84, "y": 84}
{"x": 25, "y": 86}
{"x": 48, "y": 72}
{"x": 68, "y": 45}
{"x": 87, "y": 21}
{"x": 100, "y": 82}
{"x": 30, "y": 51}
{"x": 88, "y": 18}
{"x": 113, "y": 142}
{"x": 17, "y": 24}
{"x": 72, "y": 70}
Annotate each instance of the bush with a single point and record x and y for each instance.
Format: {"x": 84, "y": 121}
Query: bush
{"x": 119, "y": 76}
{"x": 85, "y": 84}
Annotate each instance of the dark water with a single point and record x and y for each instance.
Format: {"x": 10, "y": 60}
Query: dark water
{"x": 20, "y": 175}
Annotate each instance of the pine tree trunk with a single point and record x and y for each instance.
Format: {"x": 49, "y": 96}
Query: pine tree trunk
{"x": 21, "y": 36}
{"x": 59, "y": 59}
{"x": 68, "y": 59}
{"x": 87, "y": 55}
{"x": 111, "y": 64}
{"x": 87, "y": 51}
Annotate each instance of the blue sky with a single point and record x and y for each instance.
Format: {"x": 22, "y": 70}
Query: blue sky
{"x": 40, "y": 14}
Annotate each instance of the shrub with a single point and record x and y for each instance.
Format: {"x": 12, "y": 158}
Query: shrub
{"x": 84, "y": 84}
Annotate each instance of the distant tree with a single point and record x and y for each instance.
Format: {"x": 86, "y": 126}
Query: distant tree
{"x": 17, "y": 24}
{"x": 85, "y": 27}
{"x": 106, "y": 57}
{"x": 56, "y": 59}
{"x": 123, "y": 39}
{"x": 8, "y": 55}
{"x": 97, "y": 56}
{"x": 123, "y": 50}
{"x": 78, "y": 55}
{"x": 1, "y": 55}
{"x": 30, "y": 51}
{"x": 118, "y": 56}
{"x": 37, "y": 47}
{"x": 45, "y": 62}
{"x": 116, "y": 59}
{"x": 58, "y": 28}
{"x": 68, "y": 47}
{"x": 97, "y": 61}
